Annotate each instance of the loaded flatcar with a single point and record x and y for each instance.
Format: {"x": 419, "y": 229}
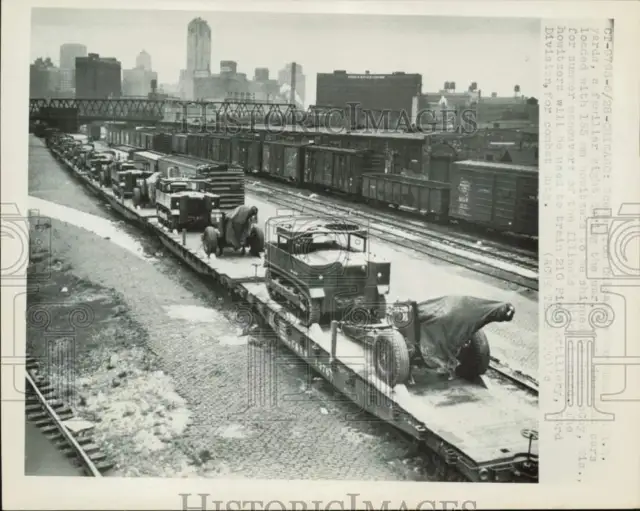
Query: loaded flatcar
{"x": 225, "y": 180}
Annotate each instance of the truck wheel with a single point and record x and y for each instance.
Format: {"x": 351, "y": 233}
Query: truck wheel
{"x": 137, "y": 197}
{"x": 474, "y": 357}
{"x": 391, "y": 358}
{"x": 256, "y": 241}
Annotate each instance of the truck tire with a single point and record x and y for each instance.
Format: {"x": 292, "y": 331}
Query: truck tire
{"x": 391, "y": 359}
{"x": 474, "y": 357}
{"x": 137, "y": 197}
{"x": 256, "y": 241}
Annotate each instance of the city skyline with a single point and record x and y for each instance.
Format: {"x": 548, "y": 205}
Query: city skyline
{"x": 510, "y": 46}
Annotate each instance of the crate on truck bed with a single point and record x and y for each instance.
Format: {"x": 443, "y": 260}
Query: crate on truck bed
{"x": 223, "y": 179}
{"x": 500, "y": 196}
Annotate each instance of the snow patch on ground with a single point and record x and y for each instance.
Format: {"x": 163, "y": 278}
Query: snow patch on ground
{"x": 138, "y": 407}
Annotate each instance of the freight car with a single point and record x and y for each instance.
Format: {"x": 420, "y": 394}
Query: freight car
{"x": 504, "y": 196}
{"x": 499, "y": 196}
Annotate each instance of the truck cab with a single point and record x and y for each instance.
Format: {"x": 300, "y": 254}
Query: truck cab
{"x": 183, "y": 203}
{"x": 324, "y": 269}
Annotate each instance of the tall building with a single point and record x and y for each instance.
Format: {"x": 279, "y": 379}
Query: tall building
{"x": 198, "y": 46}
{"x": 44, "y": 79}
{"x": 98, "y": 77}
{"x": 68, "y": 54}
{"x": 143, "y": 60}
{"x": 198, "y": 57}
{"x": 136, "y": 82}
{"x": 285, "y": 80}
{"x": 393, "y": 92}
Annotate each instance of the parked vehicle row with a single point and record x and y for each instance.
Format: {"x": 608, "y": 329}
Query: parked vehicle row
{"x": 491, "y": 195}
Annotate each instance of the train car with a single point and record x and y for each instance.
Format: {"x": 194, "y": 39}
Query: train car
{"x": 162, "y": 142}
{"x": 335, "y": 169}
{"x": 149, "y": 159}
{"x": 197, "y": 145}
{"x": 284, "y": 161}
{"x": 219, "y": 147}
{"x": 246, "y": 151}
{"x": 426, "y": 197}
{"x": 179, "y": 143}
{"x": 499, "y": 196}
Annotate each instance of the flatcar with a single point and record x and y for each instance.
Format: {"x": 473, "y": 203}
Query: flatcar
{"x": 407, "y": 171}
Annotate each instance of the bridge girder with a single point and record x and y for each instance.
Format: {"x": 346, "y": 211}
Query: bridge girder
{"x": 157, "y": 110}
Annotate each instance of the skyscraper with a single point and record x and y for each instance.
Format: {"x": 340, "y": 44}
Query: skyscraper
{"x": 68, "y": 54}
{"x": 198, "y": 47}
{"x": 143, "y": 60}
{"x": 198, "y": 57}
{"x": 98, "y": 77}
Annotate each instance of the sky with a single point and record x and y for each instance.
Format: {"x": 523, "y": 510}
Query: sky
{"x": 497, "y": 53}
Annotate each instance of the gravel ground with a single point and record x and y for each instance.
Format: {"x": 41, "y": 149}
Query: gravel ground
{"x": 161, "y": 364}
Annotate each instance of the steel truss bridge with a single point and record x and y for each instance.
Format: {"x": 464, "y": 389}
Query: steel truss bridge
{"x": 157, "y": 111}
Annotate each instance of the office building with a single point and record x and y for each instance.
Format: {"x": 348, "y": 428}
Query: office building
{"x": 44, "y": 79}
{"x": 69, "y": 52}
{"x": 198, "y": 57}
{"x": 136, "y": 82}
{"x": 393, "y": 92}
{"x": 98, "y": 77}
{"x": 143, "y": 60}
{"x": 198, "y": 46}
{"x": 231, "y": 85}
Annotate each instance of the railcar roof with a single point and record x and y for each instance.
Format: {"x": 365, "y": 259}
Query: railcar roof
{"x": 488, "y": 165}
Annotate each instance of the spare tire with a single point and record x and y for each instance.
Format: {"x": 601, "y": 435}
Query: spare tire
{"x": 391, "y": 358}
{"x": 474, "y": 356}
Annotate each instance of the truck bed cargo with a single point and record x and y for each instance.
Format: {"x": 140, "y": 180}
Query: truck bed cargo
{"x": 228, "y": 183}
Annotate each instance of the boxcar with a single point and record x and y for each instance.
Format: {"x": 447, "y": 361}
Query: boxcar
{"x": 336, "y": 169}
{"x": 197, "y": 145}
{"x": 218, "y": 147}
{"x": 179, "y": 143}
{"x": 500, "y": 196}
{"x": 284, "y": 160}
{"x": 162, "y": 142}
{"x": 424, "y": 196}
{"x": 246, "y": 151}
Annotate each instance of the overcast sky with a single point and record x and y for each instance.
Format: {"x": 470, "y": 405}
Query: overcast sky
{"x": 495, "y": 52}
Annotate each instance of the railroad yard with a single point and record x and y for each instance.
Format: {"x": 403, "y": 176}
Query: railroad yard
{"x": 186, "y": 367}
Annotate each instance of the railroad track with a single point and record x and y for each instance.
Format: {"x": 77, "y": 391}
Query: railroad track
{"x": 511, "y": 265}
{"x": 56, "y": 421}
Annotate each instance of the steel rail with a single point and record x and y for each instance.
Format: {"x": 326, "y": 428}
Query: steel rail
{"x": 84, "y": 457}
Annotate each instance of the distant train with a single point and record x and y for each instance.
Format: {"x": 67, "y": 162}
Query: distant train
{"x": 398, "y": 170}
